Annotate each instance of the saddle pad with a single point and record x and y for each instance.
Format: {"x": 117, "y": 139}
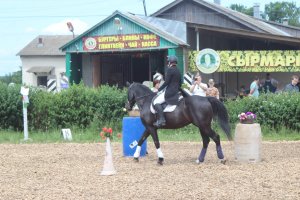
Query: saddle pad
{"x": 168, "y": 108}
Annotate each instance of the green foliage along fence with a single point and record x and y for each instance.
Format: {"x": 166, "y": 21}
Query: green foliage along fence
{"x": 80, "y": 106}
{"x": 10, "y": 107}
{"x": 273, "y": 110}
{"x": 77, "y": 106}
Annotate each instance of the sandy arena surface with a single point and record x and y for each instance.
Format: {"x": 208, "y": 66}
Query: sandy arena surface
{"x": 72, "y": 171}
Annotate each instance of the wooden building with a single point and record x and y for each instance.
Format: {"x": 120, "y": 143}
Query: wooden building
{"x": 127, "y": 47}
{"x": 124, "y": 47}
{"x": 210, "y": 25}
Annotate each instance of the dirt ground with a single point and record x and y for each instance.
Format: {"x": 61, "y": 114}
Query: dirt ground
{"x": 72, "y": 171}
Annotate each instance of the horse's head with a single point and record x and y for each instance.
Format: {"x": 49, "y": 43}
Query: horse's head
{"x": 130, "y": 97}
{"x": 136, "y": 94}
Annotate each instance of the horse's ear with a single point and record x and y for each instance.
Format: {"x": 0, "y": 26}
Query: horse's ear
{"x": 127, "y": 84}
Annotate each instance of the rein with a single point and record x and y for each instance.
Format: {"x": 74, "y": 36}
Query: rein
{"x": 139, "y": 98}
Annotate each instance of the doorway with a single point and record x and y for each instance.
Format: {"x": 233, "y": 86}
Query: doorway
{"x": 140, "y": 68}
{"x": 115, "y": 69}
{"x": 42, "y": 81}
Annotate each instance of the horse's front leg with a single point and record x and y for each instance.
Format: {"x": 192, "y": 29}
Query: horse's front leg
{"x": 137, "y": 152}
{"x": 157, "y": 145}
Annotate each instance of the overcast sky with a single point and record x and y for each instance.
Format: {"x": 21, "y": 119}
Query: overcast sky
{"x": 23, "y": 20}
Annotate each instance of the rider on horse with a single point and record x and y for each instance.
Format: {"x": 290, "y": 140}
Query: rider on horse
{"x": 168, "y": 92}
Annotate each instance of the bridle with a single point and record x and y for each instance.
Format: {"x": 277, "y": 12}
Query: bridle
{"x": 137, "y": 98}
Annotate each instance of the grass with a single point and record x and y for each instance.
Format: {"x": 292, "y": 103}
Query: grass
{"x": 280, "y": 135}
{"x": 54, "y": 136}
{"x": 188, "y": 133}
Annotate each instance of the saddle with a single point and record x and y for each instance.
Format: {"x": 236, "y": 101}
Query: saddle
{"x": 165, "y": 105}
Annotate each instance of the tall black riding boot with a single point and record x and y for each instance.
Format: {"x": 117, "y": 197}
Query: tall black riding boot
{"x": 160, "y": 116}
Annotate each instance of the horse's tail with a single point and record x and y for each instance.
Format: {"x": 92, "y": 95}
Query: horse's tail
{"x": 220, "y": 111}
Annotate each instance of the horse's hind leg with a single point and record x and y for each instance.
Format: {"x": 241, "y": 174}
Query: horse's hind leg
{"x": 137, "y": 152}
{"x": 205, "y": 140}
{"x": 216, "y": 138}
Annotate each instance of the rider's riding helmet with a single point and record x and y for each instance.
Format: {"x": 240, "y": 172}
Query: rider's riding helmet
{"x": 172, "y": 59}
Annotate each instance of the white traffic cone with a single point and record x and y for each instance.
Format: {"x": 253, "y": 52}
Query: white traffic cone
{"x": 108, "y": 168}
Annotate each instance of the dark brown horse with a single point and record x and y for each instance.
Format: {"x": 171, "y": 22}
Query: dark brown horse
{"x": 191, "y": 109}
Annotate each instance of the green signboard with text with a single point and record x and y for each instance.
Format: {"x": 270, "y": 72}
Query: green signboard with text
{"x": 247, "y": 61}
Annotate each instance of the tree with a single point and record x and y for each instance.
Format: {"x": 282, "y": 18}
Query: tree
{"x": 279, "y": 11}
{"x": 245, "y": 10}
{"x": 242, "y": 9}
{"x": 15, "y": 77}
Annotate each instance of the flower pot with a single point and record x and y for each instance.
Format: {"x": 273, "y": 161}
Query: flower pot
{"x": 247, "y": 121}
{"x": 247, "y": 143}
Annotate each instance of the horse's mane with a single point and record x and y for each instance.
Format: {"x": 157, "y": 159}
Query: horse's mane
{"x": 147, "y": 89}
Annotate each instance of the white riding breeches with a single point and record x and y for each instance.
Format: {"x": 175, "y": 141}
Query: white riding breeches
{"x": 160, "y": 99}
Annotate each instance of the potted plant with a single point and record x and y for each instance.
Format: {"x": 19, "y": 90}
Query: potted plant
{"x": 247, "y": 118}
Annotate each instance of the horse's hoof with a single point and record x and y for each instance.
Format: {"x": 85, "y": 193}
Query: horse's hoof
{"x": 199, "y": 161}
{"x": 136, "y": 159}
{"x": 160, "y": 161}
{"x": 223, "y": 161}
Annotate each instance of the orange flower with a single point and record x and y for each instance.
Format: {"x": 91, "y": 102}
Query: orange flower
{"x": 106, "y": 133}
{"x": 119, "y": 135}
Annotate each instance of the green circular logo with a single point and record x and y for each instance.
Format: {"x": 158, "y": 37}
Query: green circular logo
{"x": 90, "y": 43}
{"x": 208, "y": 61}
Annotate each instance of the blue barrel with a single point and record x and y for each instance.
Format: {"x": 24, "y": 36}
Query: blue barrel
{"x": 132, "y": 131}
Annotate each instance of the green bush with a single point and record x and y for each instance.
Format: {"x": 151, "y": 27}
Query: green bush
{"x": 78, "y": 106}
{"x": 110, "y": 103}
{"x": 41, "y": 110}
{"x": 82, "y": 107}
{"x": 10, "y": 107}
{"x": 75, "y": 106}
{"x": 273, "y": 110}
